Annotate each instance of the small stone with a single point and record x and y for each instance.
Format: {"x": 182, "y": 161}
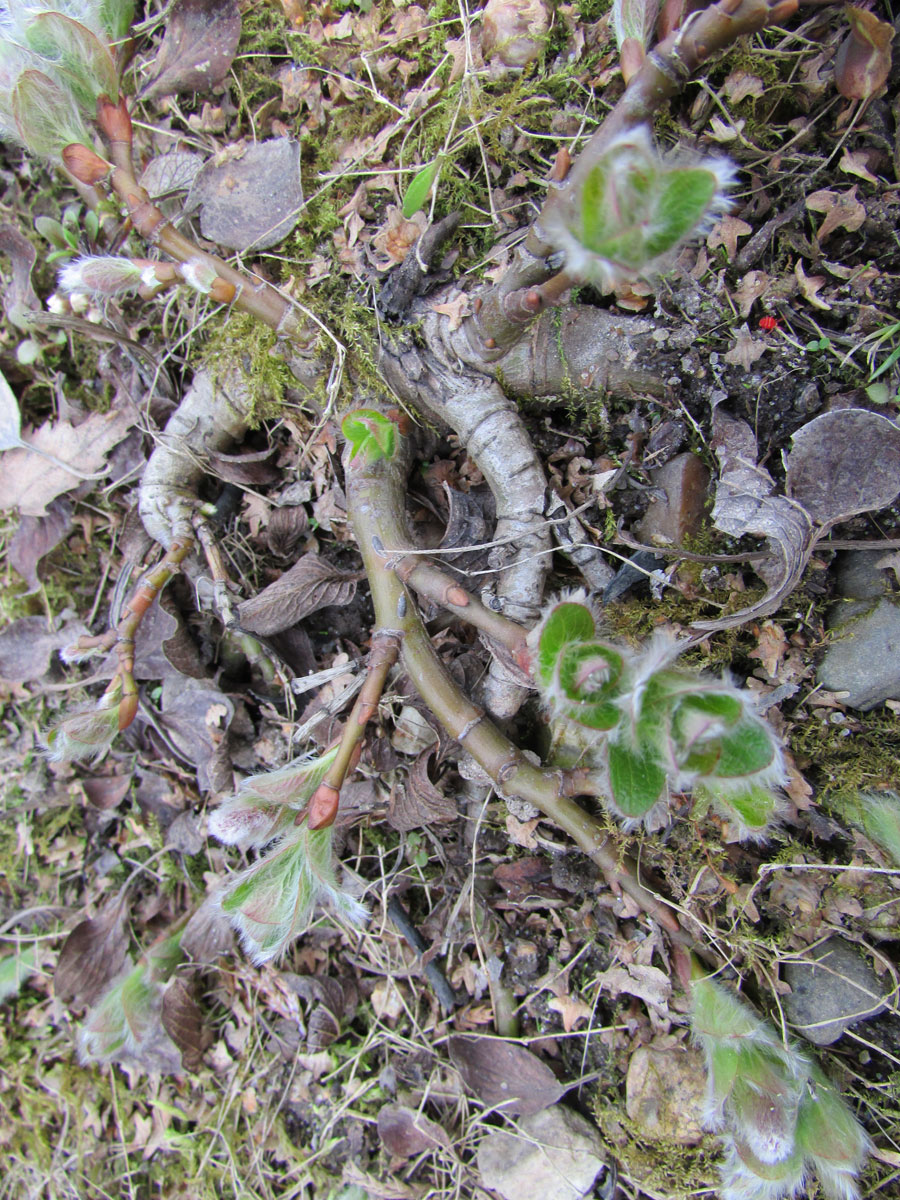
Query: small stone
{"x": 830, "y": 991}
{"x": 665, "y": 1093}
{"x": 864, "y": 659}
{"x": 684, "y": 482}
{"x": 554, "y": 1153}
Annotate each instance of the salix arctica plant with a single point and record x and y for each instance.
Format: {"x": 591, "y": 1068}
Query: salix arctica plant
{"x": 56, "y": 62}
{"x": 272, "y": 902}
{"x": 626, "y": 213}
{"x": 651, "y": 728}
{"x": 780, "y": 1118}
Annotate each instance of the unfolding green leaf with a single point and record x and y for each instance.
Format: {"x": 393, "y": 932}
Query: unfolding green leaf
{"x": 46, "y": 115}
{"x": 370, "y": 434}
{"x": 683, "y": 199}
{"x": 79, "y": 59}
{"x": 751, "y": 809}
{"x": 417, "y": 192}
{"x": 567, "y": 623}
{"x": 637, "y": 781}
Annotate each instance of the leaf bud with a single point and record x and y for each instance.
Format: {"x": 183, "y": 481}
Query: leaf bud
{"x": 863, "y": 61}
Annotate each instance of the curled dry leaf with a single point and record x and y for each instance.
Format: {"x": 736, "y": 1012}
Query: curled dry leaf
{"x": 311, "y": 583}
{"x": 183, "y": 1021}
{"x": 29, "y": 482}
{"x": 844, "y": 462}
{"x": 198, "y": 47}
{"x": 92, "y": 956}
{"x": 843, "y": 210}
{"x": 504, "y": 1074}
{"x": 745, "y": 504}
{"x": 208, "y": 934}
{"x": 405, "y": 1133}
{"x": 36, "y": 537}
{"x": 863, "y": 61}
{"x": 253, "y": 468}
{"x": 420, "y": 802}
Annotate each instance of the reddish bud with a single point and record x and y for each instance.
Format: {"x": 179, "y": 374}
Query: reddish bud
{"x": 84, "y": 164}
{"x": 323, "y": 806}
{"x": 114, "y": 119}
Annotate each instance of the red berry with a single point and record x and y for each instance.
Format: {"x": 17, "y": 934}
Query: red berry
{"x": 768, "y": 323}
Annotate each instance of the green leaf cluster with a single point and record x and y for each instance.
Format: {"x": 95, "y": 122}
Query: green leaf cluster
{"x": 371, "y": 435}
{"x": 631, "y": 209}
{"x": 779, "y": 1115}
{"x": 650, "y": 727}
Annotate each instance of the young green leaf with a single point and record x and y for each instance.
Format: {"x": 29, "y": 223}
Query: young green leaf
{"x": 637, "y": 781}
{"x": 418, "y": 190}
{"x": 370, "y": 434}
{"x": 566, "y": 623}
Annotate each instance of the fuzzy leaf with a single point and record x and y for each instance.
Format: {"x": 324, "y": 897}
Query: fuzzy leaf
{"x": 76, "y": 57}
{"x": 637, "y": 782}
{"x": 566, "y": 623}
{"x": 46, "y": 115}
{"x": 685, "y": 196}
{"x": 14, "y": 970}
{"x": 748, "y": 750}
{"x": 750, "y": 809}
{"x": 417, "y": 192}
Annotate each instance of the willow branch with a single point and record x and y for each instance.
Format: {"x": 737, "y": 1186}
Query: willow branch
{"x": 375, "y": 500}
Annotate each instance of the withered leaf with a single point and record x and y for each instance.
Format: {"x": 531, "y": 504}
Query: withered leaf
{"x": 311, "y": 583}
{"x": 106, "y": 791}
{"x": 250, "y": 469}
{"x": 745, "y": 504}
{"x": 746, "y": 349}
{"x": 863, "y": 61}
{"x": 183, "y": 1021}
{"x": 254, "y": 200}
{"x": 92, "y": 956}
{"x": 286, "y": 527}
{"x": 844, "y": 462}
{"x": 196, "y": 716}
{"x": 405, "y": 1133}
{"x": 420, "y": 802}
{"x": 36, "y": 537}
{"x": 208, "y": 934}
{"x": 29, "y": 481}
{"x": 19, "y": 297}
{"x": 198, "y": 47}
{"x": 169, "y": 173}
{"x": 26, "y": 646}
{"x": 504, "y": 1074}
{"x": 842, "y": 210}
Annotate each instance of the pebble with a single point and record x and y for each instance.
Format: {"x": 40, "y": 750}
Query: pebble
{"x": 679, "y": 511}
{"x": 665, "y": 1093}
{"x": 864, "y": 659}
{"x": 830, "y": 991}
{"x": 555, "y": 1153}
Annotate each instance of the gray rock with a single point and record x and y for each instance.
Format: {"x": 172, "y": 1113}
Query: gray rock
{"x": 831, "y": 991}
{"x": 665, "y": 1093}
{"x": 864, "y": 660}
{"x": 555, "y": 1154}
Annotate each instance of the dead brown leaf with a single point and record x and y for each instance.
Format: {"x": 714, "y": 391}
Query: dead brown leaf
{"x": 863, "y": 61}
{"x": 810, "y": 286}
{"x": 405, "y": 1133}
{"x": 504, "y": 1074}
{"x": 254, "y": 200}
{"x": 746, "y": 349}
{"x": 311, "y": 583}
{"x": 92, "y": 956}
{"x": 29, "y": 482}
{"x": 420, "y": 802}
{"x": 26, "y": 646}
{"x": 771, "y": 647}
{"x": 183, "y": 1021}
{"x": 649, "y": 984}
{"x": 754, "y": 285}
{"x": 726, "y": 233}
{"x": 197, "y": 49}
{"x": 844, "y": 462}
{"x": 19, "y": 298}
{"x": 842, "y": 210}
{"x": 35, "y": 538}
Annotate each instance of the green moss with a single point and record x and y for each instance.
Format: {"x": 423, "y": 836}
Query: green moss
{"x": 245, "y": 340}
{"x": 860, "y": 752}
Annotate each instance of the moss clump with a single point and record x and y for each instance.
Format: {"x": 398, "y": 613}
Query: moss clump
{"x": 861, "y": 751}
{"x": 245, "y": 340}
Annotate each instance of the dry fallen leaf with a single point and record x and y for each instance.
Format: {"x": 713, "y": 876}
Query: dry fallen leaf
{"x": 842, "y": 210}
{"x": 810, "y": 286}
{"x": 29, "y": 482}
{"x": 92, "y": 956}
{"x": 726, "y": 233}
{"x": 746, "y": 349}
{"x": 311, "y": 583}
{"x": 844, "y": 462}
{"x": 504, "y": 1074}
{"x": 405, "y": 1133}
{"x": 456, "y": 309}
{"x": 745, "y": 504}
{"x": 649, "y": 984}
{"x": 26, "y": 646}
{"x": 254, "y": 200}
{"x": 197, "y": 49}
{"x": 863, "y": 61}
{"x": 771, "y": 647}
{"x": 752, "y": 287}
